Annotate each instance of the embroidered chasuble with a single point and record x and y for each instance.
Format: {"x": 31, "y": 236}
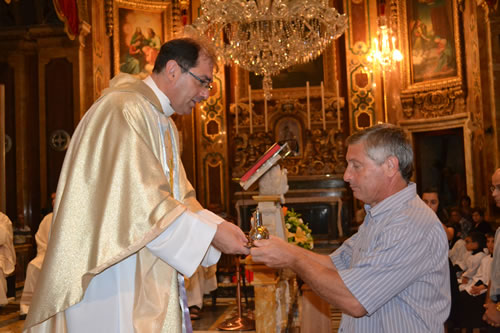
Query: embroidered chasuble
{"x": 122, "y": 198}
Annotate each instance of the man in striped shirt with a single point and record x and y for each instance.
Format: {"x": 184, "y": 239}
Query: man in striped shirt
{"x": 392, "y": 275}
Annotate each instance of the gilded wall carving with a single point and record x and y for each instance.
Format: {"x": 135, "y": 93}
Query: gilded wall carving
{"x": 317, "y": 151}
{"x": 363, "y": 98}
{"x": 434, "y": 103}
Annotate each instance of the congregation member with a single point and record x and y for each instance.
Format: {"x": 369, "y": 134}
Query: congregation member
{"x": 479, "y": 224}
{"x": 464, "y": 204}
{"x": 475, "y": 244}
{"x": 7, "y": 255}
{"x": 126, "y": 224}
{"x": 430, "y": 197}
{"x": 492, "y": 304}
{"x": 461, "y": 225}
{"x": 35, "y": 265}
{"x": 391, "y": 276}
{"x": 458, "y": 251}
{"x": 473, "y": 291}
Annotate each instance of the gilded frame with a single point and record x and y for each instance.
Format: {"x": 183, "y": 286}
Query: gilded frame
{"x": 132, "y": 21}
{"x": 410, "y": 85}
{"x": 329, "y": 77}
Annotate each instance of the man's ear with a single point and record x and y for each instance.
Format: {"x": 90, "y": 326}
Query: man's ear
{"x": 392, "y": 165}
{"x": 171, "y": 69}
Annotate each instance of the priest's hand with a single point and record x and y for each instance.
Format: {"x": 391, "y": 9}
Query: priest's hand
{"x": 230, "y": 239}
{"x": 274, "y": 252}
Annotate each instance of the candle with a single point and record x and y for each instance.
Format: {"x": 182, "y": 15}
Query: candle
{"x": 308, "y": 107}
{"x": 338, "y": 104}
{"x": 250, "y": 107}
{"x": 323, "y": 105}
{"x": 236, "y": 111}
{"x": 265, "y": 113}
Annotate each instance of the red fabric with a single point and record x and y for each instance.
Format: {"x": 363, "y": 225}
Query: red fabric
{"x": 68, "y": 13}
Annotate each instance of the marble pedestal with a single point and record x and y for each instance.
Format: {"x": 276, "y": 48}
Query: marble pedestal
{"x": 275, "y": 293}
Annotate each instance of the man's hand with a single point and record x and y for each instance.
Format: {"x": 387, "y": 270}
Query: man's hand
{"x": 491, "y": 315}
{"x": 230, "y": 239}
{"x": 274, "y": 252}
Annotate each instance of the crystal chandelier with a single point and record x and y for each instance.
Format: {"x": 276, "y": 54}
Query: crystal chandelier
{"x": 267, "y": 36}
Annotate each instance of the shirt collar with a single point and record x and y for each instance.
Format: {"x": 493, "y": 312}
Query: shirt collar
{"x": 164, "y": 101}
{"x": 399, "y": 198}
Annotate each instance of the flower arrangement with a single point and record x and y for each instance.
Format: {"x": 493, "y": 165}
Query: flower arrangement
{"x": 297, "y": 231}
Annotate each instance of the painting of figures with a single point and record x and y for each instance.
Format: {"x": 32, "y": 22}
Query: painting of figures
{"x": 140, "y": 28}
{"x": 432, "y": 39}
{"x": 140, "y": 41}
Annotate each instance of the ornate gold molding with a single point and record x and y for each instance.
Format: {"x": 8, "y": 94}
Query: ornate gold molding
{"x": 108, "y": 8}
{"x": 434, "y": 103}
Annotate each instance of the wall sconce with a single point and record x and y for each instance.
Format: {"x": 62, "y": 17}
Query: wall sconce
{"x": 384, "y": 52}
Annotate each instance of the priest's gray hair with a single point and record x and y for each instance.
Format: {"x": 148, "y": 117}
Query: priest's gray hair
{"x": 384, "y": 140}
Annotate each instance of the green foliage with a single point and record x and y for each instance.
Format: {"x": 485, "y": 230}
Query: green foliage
{"x": 298, "y": 232}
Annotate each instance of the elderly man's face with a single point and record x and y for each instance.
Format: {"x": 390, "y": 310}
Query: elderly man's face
{"x": 431, "y": 199}
{"x": 495, "y": 181}
{"x": 365, "y": 177}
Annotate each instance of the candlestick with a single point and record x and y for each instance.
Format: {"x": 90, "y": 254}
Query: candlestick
{"x": 308, "y": 107}
{"x": 236, "y": 110}
{"x": 338, "y": 104}
{"x": 250, "y": 107}
{"x": 265, "y": 113}
{"x": 323, "y": 105}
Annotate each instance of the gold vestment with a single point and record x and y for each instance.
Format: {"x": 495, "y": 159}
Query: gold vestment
{"x": 113, "y": 198}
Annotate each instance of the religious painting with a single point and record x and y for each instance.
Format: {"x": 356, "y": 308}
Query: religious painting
{"x": 140, "y": 28}
{"x": 431, "y": 37}
{"x": 294, "y": 77}
{"x": 289, "y": 129}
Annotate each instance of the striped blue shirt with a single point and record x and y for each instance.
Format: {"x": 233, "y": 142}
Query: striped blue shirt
{"x": 396, "y": 266}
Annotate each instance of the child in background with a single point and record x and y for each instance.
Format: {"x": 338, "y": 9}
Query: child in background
{"x": 475, "y": 243}
{"x": 471, "y": 299}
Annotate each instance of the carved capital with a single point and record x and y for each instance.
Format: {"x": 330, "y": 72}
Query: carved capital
{"x": 432, "y": 104}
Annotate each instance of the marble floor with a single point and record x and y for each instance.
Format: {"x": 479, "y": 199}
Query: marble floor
{"x": 210, "y": 316}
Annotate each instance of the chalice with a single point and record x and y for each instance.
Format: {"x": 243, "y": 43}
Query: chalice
{"x": 258, "y": 230}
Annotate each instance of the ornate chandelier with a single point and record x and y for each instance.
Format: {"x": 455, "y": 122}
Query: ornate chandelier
{"x": 267, "y": 36}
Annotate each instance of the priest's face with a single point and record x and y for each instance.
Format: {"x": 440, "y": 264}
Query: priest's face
{"x": 192, "y": 86}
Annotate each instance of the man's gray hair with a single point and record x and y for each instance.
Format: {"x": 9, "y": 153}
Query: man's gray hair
{"x": 384, "y": 140}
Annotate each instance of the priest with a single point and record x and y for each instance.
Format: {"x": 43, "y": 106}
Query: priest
{"x": 126, "y": 223}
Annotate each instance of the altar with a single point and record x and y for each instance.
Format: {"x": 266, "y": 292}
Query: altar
{"x": 323, "y": 201}
{"x": 278, "y": 298}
